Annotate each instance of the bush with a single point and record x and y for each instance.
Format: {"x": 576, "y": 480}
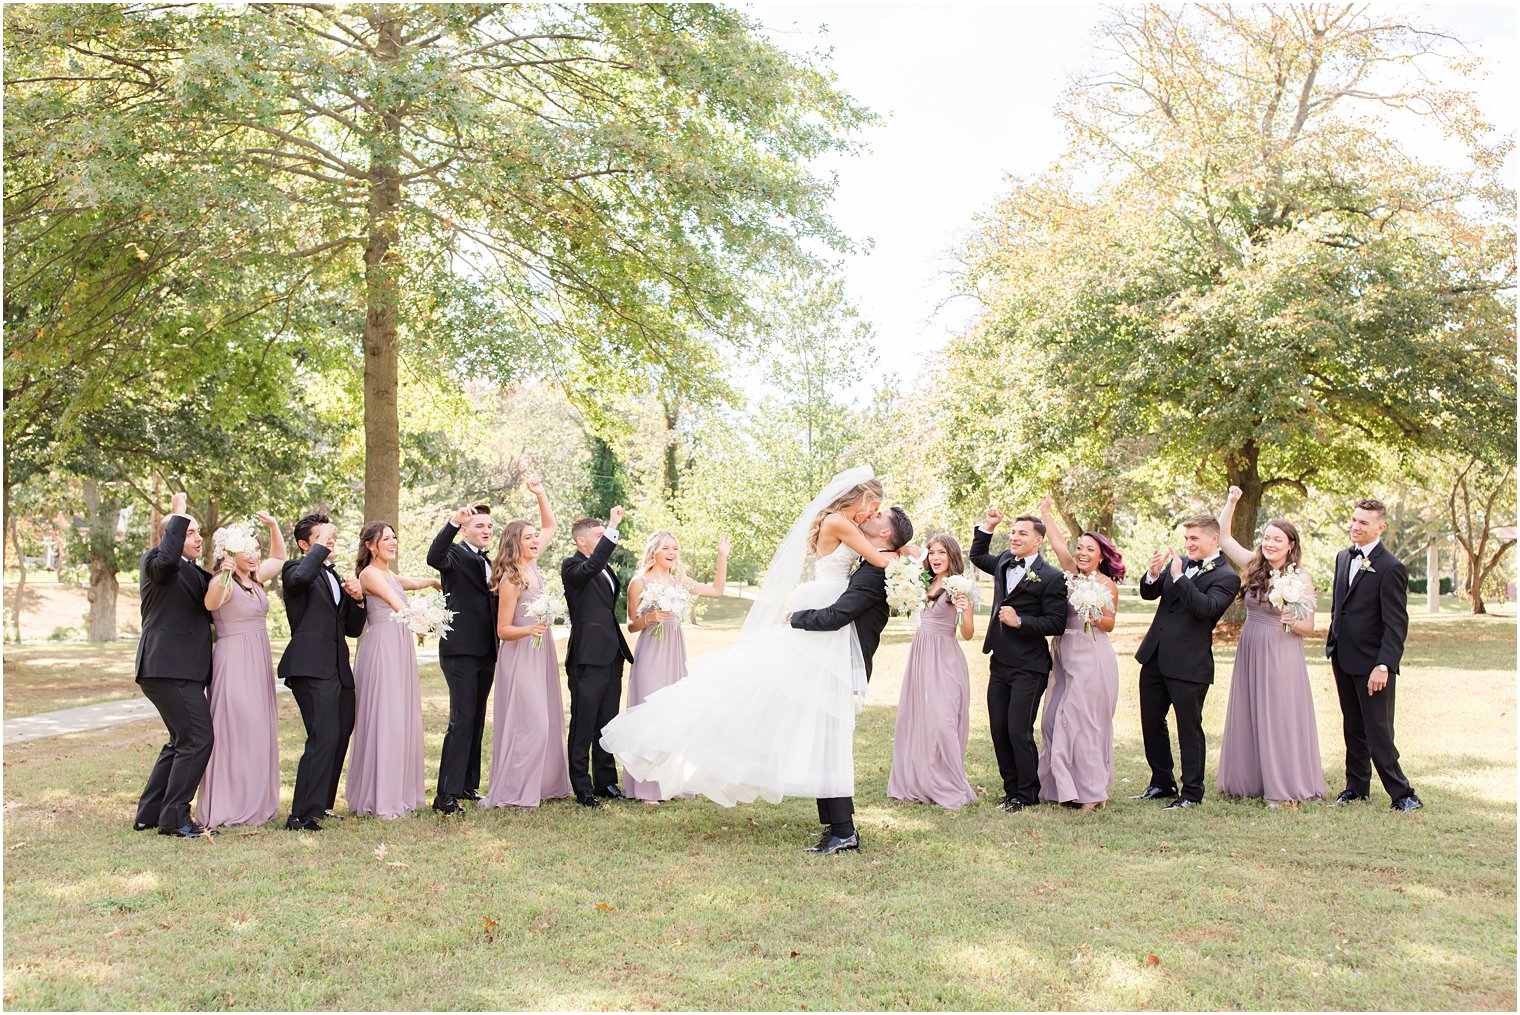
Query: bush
{"x": 66, "y": 634}
{"x": 1418, "y": 586}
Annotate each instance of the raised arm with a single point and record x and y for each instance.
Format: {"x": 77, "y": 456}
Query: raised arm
{"x": 720, "y": 573}
{"x": 163, "y": 569}
{"x": 576, "y": 573}
{"x": 1054, "y": 537}
{"x": 438, "y": 557}
{"x": 372, "y": 580}
{"x": 546, "y": 527}
{"x": 848, "y": 533}
{"x": 981, "y": 540}
{"x": 275, "y": 562}
{"x": 308, "y": 568}
{"x": 1239, "y": 555}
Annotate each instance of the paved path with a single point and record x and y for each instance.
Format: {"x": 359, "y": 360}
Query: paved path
{"x": 103, "y": 715}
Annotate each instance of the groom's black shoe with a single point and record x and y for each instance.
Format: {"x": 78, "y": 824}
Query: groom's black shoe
{"x": 298, "y": 824}
{"x": 1182, "y": 803}
{"x": 1152, "y": 792}
{"x": 612, "y": 793}
{"x": 469, "y": 795}
{"x": 587, "y": 800}
{"x": 1346, "y": 797}
{"x": 445, "y": 804}
{"x": 831, "y": 844}
{"x": 1406, "y": 803}
{"x": 141, "y": 826}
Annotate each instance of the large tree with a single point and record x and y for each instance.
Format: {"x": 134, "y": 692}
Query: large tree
{"x": 1240, "y": 270}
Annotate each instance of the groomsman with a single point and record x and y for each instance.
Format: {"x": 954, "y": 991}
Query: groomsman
{"x": 1177, "y": 655}
{"x": 173, "y": 669}
{"x": 324, "y": 611}
{"x": 1369, "y": 617}
{"x": 467, "y": 654}
{"x": 1030, "y": 606}
{"x": 595, "y": 656}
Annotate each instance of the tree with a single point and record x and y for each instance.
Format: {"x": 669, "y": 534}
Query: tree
{"x": 1475, "y": 513}
{"x": 1264, "y": 285}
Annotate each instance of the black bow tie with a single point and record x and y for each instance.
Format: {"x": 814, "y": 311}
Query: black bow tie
{"x": 484, "y": 557}
{"x": 1356, "y": 551}
{"x": 1192, "y": 563}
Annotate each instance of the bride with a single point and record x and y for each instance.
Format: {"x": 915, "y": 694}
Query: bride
{"x": 773, "y": 714}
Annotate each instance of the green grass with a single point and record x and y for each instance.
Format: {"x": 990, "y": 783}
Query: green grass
{"x": 688, "y": 905}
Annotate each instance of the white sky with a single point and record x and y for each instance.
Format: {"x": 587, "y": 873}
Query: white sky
{"x": 968, "y": 92}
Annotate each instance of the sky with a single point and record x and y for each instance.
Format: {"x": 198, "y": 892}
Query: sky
{"x": 968, "y": 93}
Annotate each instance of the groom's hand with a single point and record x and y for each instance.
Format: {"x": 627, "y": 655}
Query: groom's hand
{"x": 614, "y": 517}
{"x": 1009, "y": 616}
{"x": 992, "y": 519}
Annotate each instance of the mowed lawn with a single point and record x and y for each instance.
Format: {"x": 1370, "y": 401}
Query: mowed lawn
{"x": 688, "y": 905}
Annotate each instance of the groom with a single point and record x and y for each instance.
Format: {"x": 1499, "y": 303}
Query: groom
{"x": 864, "y": 604}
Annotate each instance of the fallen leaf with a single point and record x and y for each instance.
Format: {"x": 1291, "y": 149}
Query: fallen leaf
{"x": 112, "y": 933}
{"x": 604, "y": 907}
{"x": 380, "y": 851}
{"x": 398, "y": 863}
{"x": 795, "y": 954}
{"x": 1151, "y": 960}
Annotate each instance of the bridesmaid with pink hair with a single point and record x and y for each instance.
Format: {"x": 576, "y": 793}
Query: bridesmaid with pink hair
{"x": 242, "y": 781}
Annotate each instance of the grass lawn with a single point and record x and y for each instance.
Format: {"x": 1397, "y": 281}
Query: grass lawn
{"x": 688, "y": 905}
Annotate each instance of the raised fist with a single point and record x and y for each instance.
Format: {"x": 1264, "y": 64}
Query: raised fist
{"x": 535, "y": 486}
{"x": 1234, "y": 494}
{"x": 177, "y": 503}
{"x": 266, "y": 518}
{"x": 615, "y": 517}
{"x": 463, "y": 515}
{"x": 994, "y": 518}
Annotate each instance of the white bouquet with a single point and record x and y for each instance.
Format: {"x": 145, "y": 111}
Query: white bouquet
{"x": 674, "y": 599}
{"x": 907, "y": 584}
{"x": 962, "y": 585}
{"x": 549, "y": 608}
{"x": 1292, "y": 592}
{"x": 231, "y": 541}
{"x": 427, "y": 613}
{"x": 1089, "y": 597}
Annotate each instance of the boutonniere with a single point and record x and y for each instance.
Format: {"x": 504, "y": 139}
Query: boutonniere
{"x": 1031, "y": 577}
{"x": 1208, "y": 567}
{"x": 1363, "y": 564}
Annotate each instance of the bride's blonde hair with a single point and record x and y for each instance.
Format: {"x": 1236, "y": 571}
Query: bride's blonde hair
{"x": 851, "y": 497}
{"x": 652, "y": 546}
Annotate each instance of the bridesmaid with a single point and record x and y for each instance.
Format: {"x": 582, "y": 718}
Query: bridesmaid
{"x": 1271, "y": 742}
{"x": 1077, "y": 724}
{"x": 934, "y": 710}
{"x": 242, "y": 781}
{"x": 659, "y": 659}
{"x": 385, "y": 764}
{"x": 528, "y": 759}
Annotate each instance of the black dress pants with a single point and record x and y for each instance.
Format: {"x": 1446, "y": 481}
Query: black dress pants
{"x": 838, "y": 813}
{"x": 469, "y": 679}
{"x": 594, "y": 695}
{"x": 1158, "y": 695}
{"x": 1367, "y": 721}
{"x": 327, "y": 711}
{"x": 176, "y": 775}
{"x": 1013, "y": 702}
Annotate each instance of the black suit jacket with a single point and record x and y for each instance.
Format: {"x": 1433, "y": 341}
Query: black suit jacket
{"x": 1040, "y": 604}
{"x": 596, "y": 637}
{"x": 470, "y": 597}
{"x": 1369, "y": 617}
{"x": 863, "y": 603}
{"x": 1180, "y": 640}
{"x": 318, "y": 627}
{"x": 176, "y": 626}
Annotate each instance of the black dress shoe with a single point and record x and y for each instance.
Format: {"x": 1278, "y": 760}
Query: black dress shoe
{"x": 1152, "y": 792}
{"x": 823, "y": 838}
{"x": 587, "y": 800}
{"x": 831, "y": 844}
{"x": 189, "y": 830}
{"x": 332, "y": 816}
{"x": 612, "y": 793}
{"x": 141, "y": 826}
{"x": 296, "y": 824}
{"x": 446, "y": 805}
{"x": 469, "y": 795}
{"x": 1012, "y": 806}
{"x": 1182, "y": 803}
{"x": 1346, "y": 797}
{"x": 1406, "y": 803}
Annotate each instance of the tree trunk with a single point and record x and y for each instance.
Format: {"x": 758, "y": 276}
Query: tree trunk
{"x": 1433, "y": 578}
{"x": 1241, "y": 470}
{"x": 672, "y": 472}
{"x": 382, "y": 424}
{"x": 19, "y": 599}
{"x": 101, "y": 514}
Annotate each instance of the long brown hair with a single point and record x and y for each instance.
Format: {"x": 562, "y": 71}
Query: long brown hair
{"x": 955, "y": 562}
{"x": 852, "y": 496}
{"x": 369, "y": 534}
{"x": 510, "y": 564}
{"x": 1259, "y": 573}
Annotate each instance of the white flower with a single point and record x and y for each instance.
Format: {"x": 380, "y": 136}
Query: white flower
{"x": 962, "y": 585}
{"x": 669, "y": 597}
{"x": 427, "y": 613}
{"x": 906, "y": 586}
{"x": 549, "y": 608}
{"x": 1090, "y": 598}
{"x": 1292, "y": 592}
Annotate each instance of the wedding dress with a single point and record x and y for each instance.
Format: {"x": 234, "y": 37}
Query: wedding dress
{"x": 773, "y": 715}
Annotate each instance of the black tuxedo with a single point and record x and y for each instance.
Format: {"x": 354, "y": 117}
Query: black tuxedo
{"x": 173, "y": 669}
{"x": 1020, "y": 667}
{"x": 1177, "y": 666}
{"x": 1369, "y": 618}
{"x": 315, "y": 666}
{"x": 594, "y": 664}
{"x": 467, "y": 655}
{"x": 864, "y": 604}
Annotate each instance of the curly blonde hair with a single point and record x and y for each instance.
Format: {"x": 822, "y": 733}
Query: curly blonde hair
{"x": 870, "y": 488}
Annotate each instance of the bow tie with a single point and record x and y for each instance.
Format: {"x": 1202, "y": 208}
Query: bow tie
{"x": 1357, "y": 551}
{"x": 1191, "y": 562}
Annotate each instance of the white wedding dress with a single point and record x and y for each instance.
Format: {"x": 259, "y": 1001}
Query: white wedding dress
{"x": 771, "y": 716}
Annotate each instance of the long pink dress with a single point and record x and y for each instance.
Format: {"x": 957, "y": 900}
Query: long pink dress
{"x": 1077, "y": 724}
{"x": 933, "y": 715}
{"x": 528, "y": 759}
{"x": 385, "y": 767}
{"x": 242, "y": 781}
{"x": 658, "y": 662}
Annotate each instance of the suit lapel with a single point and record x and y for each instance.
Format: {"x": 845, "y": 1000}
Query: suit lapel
{"x": 1352, "y": 586}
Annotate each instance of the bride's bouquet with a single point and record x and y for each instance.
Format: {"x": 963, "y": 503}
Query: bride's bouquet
{"x": 549, "y": 608}
{"x": 231, "y": 541}
{"x": 426, "y": 613}
{"x": 1291, "y": 592}
{"x": 962, "y": 585}
{"x": 1089, "y": 597}
{"x": 907, "y": 584}
{"x": 674, "y": 599}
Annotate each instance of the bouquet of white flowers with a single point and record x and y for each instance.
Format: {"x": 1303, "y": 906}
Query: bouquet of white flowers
{"x": 962, "y": 585}
{"x": 427, "y": 613}
{"x": 674, "y": 599}
{"x": 1089, "y": 597}
{"x": 907, "y": 585}
{"x": 231, "y": 541}
{"x": 549, "y": 608}
{"x": 1292, "y": 592}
